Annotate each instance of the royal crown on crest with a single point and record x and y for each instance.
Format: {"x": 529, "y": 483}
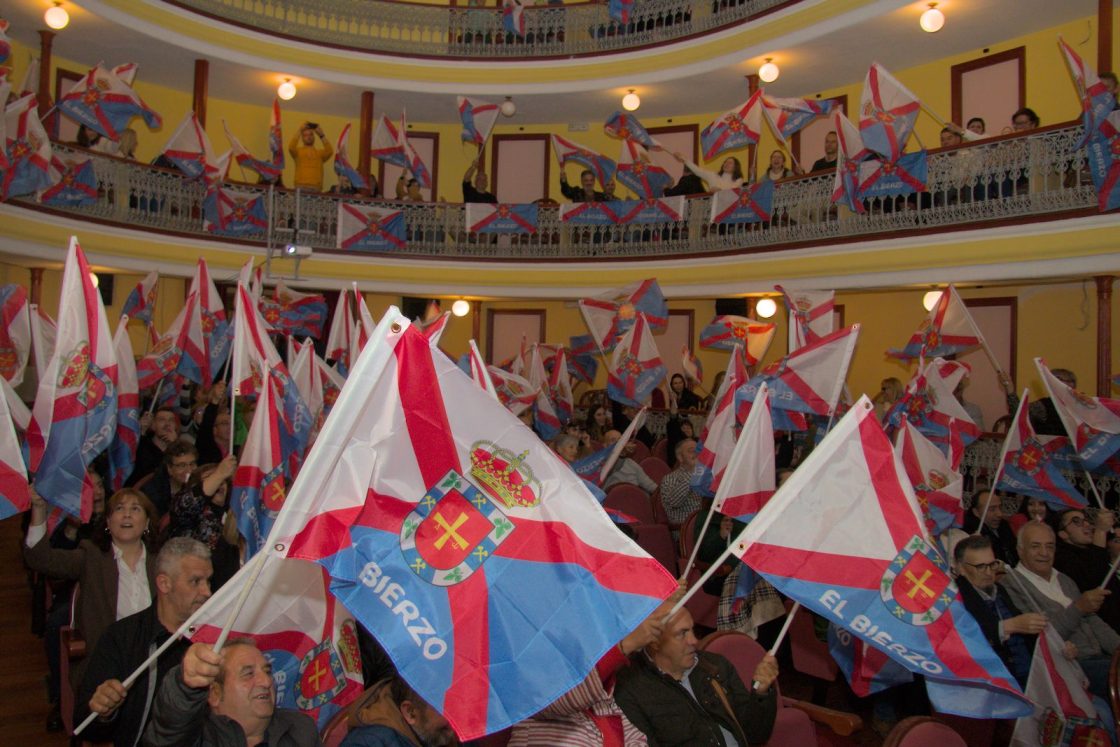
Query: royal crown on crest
{"x": 76, "y": 368}
{"x": 504, "y": 475}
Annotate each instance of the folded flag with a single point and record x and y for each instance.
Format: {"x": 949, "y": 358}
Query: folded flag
{"x": 1093, "y": 423}
{"x": 15, "y": 333}
{"x": 727, "y": 332}
{"x": 749, "y": 481}
{"x": 1030, "y": 467}
{"x": 421, "y": 484}
{"x": 637, "y": 173}
{"x": 76, "y": 185}
{"x": 568, "y": 151}
{"x": 234, "y": 212}
{"x": 690, "y": 364}
{"x": 369, "y": 229}
{"x": 290, "y": 312}
{"x": 484, "y": 217}
{"x": 635, "y": 368}
{"x": 190, "y": 150}
{"x": 478, "y": 118}
{"x": 884, "y": 178}
{"x": 626, "y": 127}
{"x": 811, "y": 315}
{"x": 342, "y": 165}
{"x": 929, "y": 403}
{"x": 735, "y": 129}
{"x": 888, "y": 111}
{"x": 122, "y": 452}
{"x": 105, "y": 103}
{"x": 935, "y": 477}
{"x": 141, "y": 301}
{"x": 871, "y": 567}
{"x": 1097, "y": 102}
{"x": 28, "y": 151}
{"x": 611, "y": 314}
{"x": 787, "y": 116}
{"x": 948, "y": 330}
{"x": 747, "y": 204}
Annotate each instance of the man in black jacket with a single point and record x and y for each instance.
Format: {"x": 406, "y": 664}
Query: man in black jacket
{"x": 678, "y": 695}
{"x": 182, "y": 585}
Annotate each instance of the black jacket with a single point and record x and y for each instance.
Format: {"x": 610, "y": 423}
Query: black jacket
{"x": 1017, "y": 650}
{"x": 668, "y": 715}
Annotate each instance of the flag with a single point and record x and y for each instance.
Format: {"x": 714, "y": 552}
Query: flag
{"x": 635, "y": 368}
{"x": 479, "y": 373}
{"x": 234, "y": 212}
{"x": 178, "y": 350}
{"x": 342, "y": 327}
{"x": 948, "y": 330}
{"x": 582, "y": 361}
{"x": 5, "y": 42}
{"x": 748, "y": 482}
{"x": 141, "y": 301}
{"x": 619, "y": 10}
{"x": 589, "y": 213}
{"x": 415, "y": 164}
{"x": 76, "y": 185}
{"x": 258, "y": 484}
{"x": 426, "y": 488}
{"x": 1064, "y": 713}
{"x": 387, "y": 144}
{"x": 935, "y": 477}
{"x": 75, "y": 412}
{"x": 332, "y": 384}
{"x": 690, "y": 364}
{"x": 560, "y": 387}
{"x": 546, "y": 420}
{"x": 5, "y": 89}
{"x": 626, "y": 127}
{"x": 928, "y": 402}
{"x": 270, "y": 171}
{"x": 213, "y": 323}
{"x": 887, "y": 113}
{"x": 880, "y": 177}
{"x": 15, "y": 497}
{"x": 190, "y": 150}
{"x": 787, "y": 116}
{"x": 15, "y": 333}
{"x": 478, "y": 119}
{"x": 852, "y": 152}
{"x": 1103, "y": 155}
{"x": 105, "y": 103}
{"x": 1029, "y": 466}
{"x": 514, "y": 392}
{"x": 122, "y": 452}
{"x": 639, "y": 175}
{"x": 845, "y": 538}
{"x": 611, "y": 314}
{"x": 364, "y": 326}
{"x": 648, "y": 210}
{"x": 717, "y": 438}
{"x": 433, "y": 327}
{"x": 342, "y": 165}
{"x": 1096, "y": 100}
{"x": 811, "y": 315}
{"x": 28, "y": 151}
{"x": 43, "y": 334}
{"x": 309, "y": 639}
{"x": 30, "y": 82}
{"x": 1093, "y": 423}
{"x": 569, "y": 151}
{"x": 868, "y": 670}
{"x": 368, "y": 228}
{"x": 485, "y": 217}
{"x": 513, "y": 17}
{"x": 726, "y": 332}
{"x": 735, "y": 129}
{"x": 293, "y": 313}
{"x": 808, "y": 381}
{"x": 747, "y": 204}
{"x": 308, "y": 378}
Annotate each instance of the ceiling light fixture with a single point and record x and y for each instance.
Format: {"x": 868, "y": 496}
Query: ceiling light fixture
{"x": 930, "y": 299}
{"x": 631, "y": 101}
{"x": 508, "y": 108}
{"x": 56, "y": 17}
{"x": 768, "y": 72}
{"x": 461, "y": 307}
{"x": 765, "y": 308}
{"x": 932, "y": 19}
{"x": 286, "y": 90}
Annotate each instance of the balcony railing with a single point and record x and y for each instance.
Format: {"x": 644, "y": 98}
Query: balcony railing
{"x": 417, "y": 30}
{"x": 1035, "y": 175}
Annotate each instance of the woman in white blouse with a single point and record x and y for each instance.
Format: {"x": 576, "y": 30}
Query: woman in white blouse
{"x": 730, "y": 174}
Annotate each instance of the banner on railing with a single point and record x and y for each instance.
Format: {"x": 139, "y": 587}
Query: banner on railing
{"x": 76, "y": 187}
{"x": 880, "y": 177}
{"x": 624, "y": 212}
{"x": 749, "y": 204}
{"x": 368, "y": 228}
{"x": 484, "y": 217}
{"x": 234, "y": 212}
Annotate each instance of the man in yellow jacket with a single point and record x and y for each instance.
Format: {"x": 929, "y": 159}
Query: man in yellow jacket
{"x": 309, "y": 160}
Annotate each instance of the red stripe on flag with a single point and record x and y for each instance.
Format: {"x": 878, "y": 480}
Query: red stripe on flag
{"x": 949, "y": 646}
{"x": 900, "y": 521}
{"x": 1065, "y": 698}
{"x": 816, "y": 567}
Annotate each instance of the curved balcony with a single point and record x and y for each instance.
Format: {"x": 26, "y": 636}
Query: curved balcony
{"x": 419, "y": 30}
{"x": 1011, "y": 179}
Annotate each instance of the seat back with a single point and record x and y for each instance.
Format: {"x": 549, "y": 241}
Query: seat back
{"x": 923, "y": 731}
{"x": 740, "y": 649}
{"x": 632, "y": 500}
{"x": 702, "y": 606}
{"x": 660, "y": 449}
{"x": 658, "y": 542}
{"x": 655, "y": 467}
{"x": 688, "y": 534}
{"x": 810, "y": 654}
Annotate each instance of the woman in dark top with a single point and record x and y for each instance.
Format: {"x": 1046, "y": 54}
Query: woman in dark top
{"x": 686, "y": 398}
{"x": 199, "y": 510}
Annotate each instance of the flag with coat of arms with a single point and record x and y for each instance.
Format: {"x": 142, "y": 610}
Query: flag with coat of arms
{"x": 290, "y": 312}
{"x": 76, "y": 185}
{"x": 611, "y": 314}
{"x": 1093, "y": 423}
{"x": 269, "y": 171}
{"x": 422, "y": 487}
{"x": 1030, "y": 466}
{"x": 637, "y": 173}
{"x": 787, "y": 116}
{"x": 234, "y": 212}
{"x": 635, "y": 368}
{"x": 888, "y": 111}
{"x": 646, "y": 211}
{"x": 387, "y": 144}
{"x": 872, "y": 569}
{"x": 728, "y": 332}
{"x": 178, "y": 351}
{"x": 626, "y": 127}
{"x": 478, "y": 118}
{"x": 811, "y": 314}
{"x": 15, "y": 333}
{"x": 368, "y": 228}
{"x": 735, "y": 129}
{"x": 747, "y": 204}
{"x": 929, "y": 403}
{"x": 949, "y": 329}
{"x": 485, "y": 217}
{"x": 881, "y": 177}
{"x": 935, "y": 477}
{"x": 514, "y": 392}
{"x": 28, "y": 151}
{"x": 213, "y": 323}
{"x": 342, "y": 166}
{"x": 190, "y": 150}
{"x": 105, "y": 103}
{"x": 569, "y": 151}
{"x": 141, "y": 301}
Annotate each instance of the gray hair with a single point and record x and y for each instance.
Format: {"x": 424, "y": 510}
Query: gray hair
{"x": 177, "y": 548}
{"x": 564, "y": 439}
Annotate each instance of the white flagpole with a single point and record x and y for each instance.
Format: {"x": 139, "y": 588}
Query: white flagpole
{"x": 781, "y": 636}
{"x": 1002, "y": 462}
{"x": 1111, "y": 572}
{"x": 696, "y": 545}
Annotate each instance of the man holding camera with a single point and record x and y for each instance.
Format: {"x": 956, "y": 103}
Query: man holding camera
{"x": 309, "y": 160}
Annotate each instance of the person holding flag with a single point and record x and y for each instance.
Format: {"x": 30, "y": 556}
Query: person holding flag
{"x": 475, "y": 182}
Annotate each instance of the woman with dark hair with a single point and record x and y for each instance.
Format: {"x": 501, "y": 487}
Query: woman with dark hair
{"x": 730, "y": 174}
{"x": 199, "y": 510}
{"x": 1031, "y": 509}
{"x": 598, "y": 423}
{"x": 679, "y": 390}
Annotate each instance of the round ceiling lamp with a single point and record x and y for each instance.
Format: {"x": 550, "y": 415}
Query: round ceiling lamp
{"x": 932, "y": 19}
{"x": 461, "y": 307}
{"x": 286, "y": 90}
{"x": 930, "y": 299}
{"x": 631, "y": 101}
{"x": 769, "y": 72}
{"x": 56, "y": 17}
{"x": 508, "y": 108}
{"x": 766, "y": 308}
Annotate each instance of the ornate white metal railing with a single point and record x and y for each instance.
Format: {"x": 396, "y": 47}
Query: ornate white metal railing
{"x": 1036, "y": 174}
{"x": 421, "y": 30}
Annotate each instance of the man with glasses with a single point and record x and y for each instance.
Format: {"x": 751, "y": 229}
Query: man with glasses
{"x": 1082, "y": 556}
{"x": 179, "y": 461}
{"x": 1009, "y": 631}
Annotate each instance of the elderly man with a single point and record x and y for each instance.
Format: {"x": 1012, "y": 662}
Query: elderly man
{"x": 677, "y": 494}
{"x": 391, "y": 714}
{"x": 182, "y": 585}
{"x": 1034, "y": 584}
{"x": 678, "y": 695}
{"x": 1082, "y": 556}
{"x": 626, "y": 469}
{"x": 1009, "y": 631}
{"x": 226, "y": 698}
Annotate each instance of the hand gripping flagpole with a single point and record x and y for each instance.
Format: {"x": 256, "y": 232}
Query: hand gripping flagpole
{"x": 781, "y": 636}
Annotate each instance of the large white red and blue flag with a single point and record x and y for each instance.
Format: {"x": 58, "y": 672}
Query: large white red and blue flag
{"x": 234, "y": 212}
{"x": 560, "y": 387}
{"x": 387, "y": 144}
{"x": 513, "y": 17}
{"x": 868, "y": 670}
{"x": 611, "y": 314}
{"x": 122, "y": 452}
{"x": 636, "y": 172}
{"x": 422, "y": 487}
{"x": 935, "y": 477}
{"x": 342, "y": 328}
{"x": 178, "y": 351}
{"x": 290, "y": 312}
{"x": 717, "y": 438}
{"x": 367, "y": 228}
{"x": 747, "y": 204}
{"x": 929, "y": 404}
{"x": 1097, "y": 102}
{"x": 787, "y": 116}
{"x": 1030, "y": 467}
{"x": 546, "y": 419}
{"x": 949, "y": 329}
{"x": 1093, "y": 423}
{"x": 749, "y": 480}
{"x": 269, "y": 171}
{"x": 478, "y": 118}
{"x": 880, "y": 177}
{"x": 28, "y": 150}
{"x": 627, "y": 127}
{"x": 76, "y": 185}
{"x": 415, "y": 164}
{"x": 105, "y": 103}
{"x": 569, "y": 151}
{"x": 213, "y": 323}
{"x": 1103, "y": 155}
{"x": 15, "y": 333}
{"x": 582, "y": 361}
{"x": 844, "y": 537}
{"x": 75, "y": 412}
{"x": 852, "y": 152}
{"x": 485, "y": 217}
{"x": 514, "y": 392}
{"x": 342, "y": 165}
{"x": 808, "y": 381}
{"x": 727, "y": 332}
{"x": 15, "y": 495}
{"x": 190, "y": 150}
{"x": 811, "y": 314}
{"x": 259, "y": 488}
{"x": 887, "y": 112}
{"x": 635, "y": 367}
{"x": 735, "y": 129}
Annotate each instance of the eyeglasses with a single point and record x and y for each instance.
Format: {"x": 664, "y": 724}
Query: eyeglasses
{"x": 992, "y": 567}
{"x": 184, "y": 465}
{"x": 1076, "y": 521}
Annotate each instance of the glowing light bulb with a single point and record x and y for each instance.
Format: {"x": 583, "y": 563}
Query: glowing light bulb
{"x": 929, "y": 300}
{"x": 286, "y": 90}
{"x": 56, "y": 17}
{"x": 932, "y": 19}
{"x": 631, "y": 101}
{"x": 769, "y": 72}
{"x": 461, "y": 307}
{"x": 766, "y": 308}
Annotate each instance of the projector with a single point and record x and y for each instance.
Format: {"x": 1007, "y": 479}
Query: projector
{"x": 297, "y": 250}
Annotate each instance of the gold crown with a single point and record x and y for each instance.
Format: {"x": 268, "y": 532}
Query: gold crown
{"x": 504, "y": 475}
